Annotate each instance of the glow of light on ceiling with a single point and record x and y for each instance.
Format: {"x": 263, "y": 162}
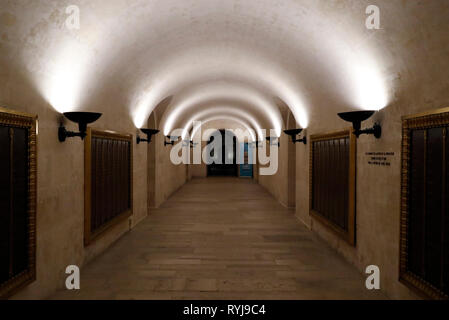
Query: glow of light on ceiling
{"x": 225, "y": 91}
{"x": 146, "y": 103}
{"x": 199, "y": 64}
{"x": 147, "y": 97}
{"x": 63, "y": 85}
{"x": 224, "y": 117}
{"x": 358, "y": 68}
{"x": 370, "y": 90}
{"x": 235, "y": 112}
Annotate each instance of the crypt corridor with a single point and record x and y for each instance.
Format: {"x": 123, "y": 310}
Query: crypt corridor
{"x": 220, "y": 238}
{"x": 224, "y": 149}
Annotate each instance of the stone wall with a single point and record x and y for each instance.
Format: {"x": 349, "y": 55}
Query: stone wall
{"x": 60, "y": 189}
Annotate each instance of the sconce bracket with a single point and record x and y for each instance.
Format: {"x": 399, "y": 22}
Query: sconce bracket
{"x": 293, "y": 133}
{"x": 303, "y": 140}
{"x": 82, "y": 119}
{"x": 376, "y": 130}
{"x": 185, "y": 143}
{"x": 139, "y": 140}
{"x": 172, "y": 140}
{"x": 149, "y": 133}
{"x": 63, "y": 134}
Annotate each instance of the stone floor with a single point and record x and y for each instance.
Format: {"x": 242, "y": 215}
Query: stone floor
{"x": 220, "y": 238}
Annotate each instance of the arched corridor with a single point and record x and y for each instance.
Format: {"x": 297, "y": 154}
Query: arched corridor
{"x": 337, "y": 118}
{"x": 207, "y": 242}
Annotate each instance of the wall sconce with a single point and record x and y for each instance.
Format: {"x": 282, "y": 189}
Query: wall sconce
{"x": 149, "y": 133}
{"x": 256, "y": 144}
{"x": 82, "y": 118}
{"x": 272, "y": 142}
{"x": 191, "y": 143}
{"x": 186, "y": 143}
{"x": 293, "y": 133}
{"x": 171, "y": 140}
{"x": 356, "y": 117}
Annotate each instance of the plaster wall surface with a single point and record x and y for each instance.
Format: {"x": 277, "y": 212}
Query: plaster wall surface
{"x": 308, "y": 50}
{"x": 60, "y": 189}
{"x": 164, "y": 177}
{"x": 168, "y": 177}
{"x": 377, "y": 202}
{"x": 277, "y": 184}
{"x": 60, "y": 209}
{"x": 421, "y": 84}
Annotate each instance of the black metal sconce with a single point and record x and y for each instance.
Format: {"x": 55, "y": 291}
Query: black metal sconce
{"x": 186, "y": 143}
{"x": 171, "y": 140}
{"x": 356, "y": 117}
{"x": 82, "y": 118}
{"x": 149, "y": 133}
{"x": 293, "y": 133}
{"x": 272, "y": 143}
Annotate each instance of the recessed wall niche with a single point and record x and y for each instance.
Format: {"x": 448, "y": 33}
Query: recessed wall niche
{"x": 332, "y": 181}
{"x": 17, "y": 200}
{"x": 107, "y": 182}
{"x": 424, "y": 242}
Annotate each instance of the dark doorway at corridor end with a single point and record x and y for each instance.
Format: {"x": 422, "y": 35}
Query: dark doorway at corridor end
{"x": 224, "y": 156}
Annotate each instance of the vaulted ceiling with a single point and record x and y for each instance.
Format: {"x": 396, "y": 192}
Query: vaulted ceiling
{"x": 236, "y": 59}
